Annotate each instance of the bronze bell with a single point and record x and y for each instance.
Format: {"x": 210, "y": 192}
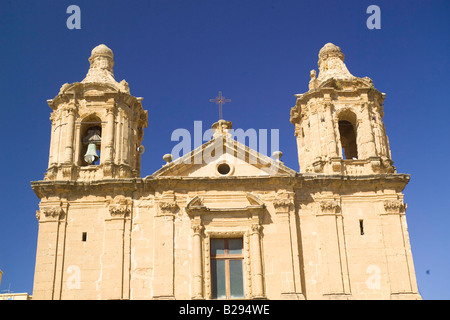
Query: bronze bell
{"x": 91, "y": 154}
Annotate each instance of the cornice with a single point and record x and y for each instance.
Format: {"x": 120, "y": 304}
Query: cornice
{"x": 372, "y": 94}
{"x": 103, "y": 92}
{"x": 150, "y": 184}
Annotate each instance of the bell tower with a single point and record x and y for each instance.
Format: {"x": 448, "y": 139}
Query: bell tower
{"x": 339, "y": 121}
{"x": 97, "y": 126}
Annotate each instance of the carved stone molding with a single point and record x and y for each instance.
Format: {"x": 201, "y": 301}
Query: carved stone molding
{"x": 336, "y": 164}
{"x": 197, "y": 228}
{"x": 120, "y": 207}
{"x": 329, "y": 206}
{"x": 318, "y": 166}
{"x": 255, "y": 228}
{"x": 168, "y": 207}
{"x": 117, "y": 210}
{"x": 167, "y": 203}
{"x": 282, "y": 204}
{"x": 70, "y": 109}
{"x": 111, "y": 108}
{"x": 53, "y": 213}
{"x": 394, "y": 206}
{"x": 67, "y": 171}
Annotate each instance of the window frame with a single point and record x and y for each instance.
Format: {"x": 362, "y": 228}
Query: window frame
{"x": 227, "y": 257}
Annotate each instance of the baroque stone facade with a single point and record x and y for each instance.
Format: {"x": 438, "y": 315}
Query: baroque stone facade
{"x": 229, "y": 227}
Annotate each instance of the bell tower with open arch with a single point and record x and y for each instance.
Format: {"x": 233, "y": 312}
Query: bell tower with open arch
{"x": 339, "y": 121}
{"x": 97, "y": 126}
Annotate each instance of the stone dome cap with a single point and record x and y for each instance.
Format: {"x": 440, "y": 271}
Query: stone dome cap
{"x": 331, "y": 64}
{"x": 330, "y": 50}
{"x": 101, "y": 50}
{"x": 101, "y": 66}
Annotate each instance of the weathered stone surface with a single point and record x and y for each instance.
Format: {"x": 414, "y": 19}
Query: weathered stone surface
{"x": 335, "y": 230}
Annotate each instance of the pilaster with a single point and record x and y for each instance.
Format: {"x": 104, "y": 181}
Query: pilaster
{"x": 335, "y": 277}
{"x": 115, "y": 262}
{"x": 163, "y": 257}
{"x": 50, "y": 250}
{"x": 291, "y": 287}
{"x": 398, "y": 252}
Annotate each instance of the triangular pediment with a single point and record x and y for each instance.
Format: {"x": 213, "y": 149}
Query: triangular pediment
{"x": 223, "y": 157}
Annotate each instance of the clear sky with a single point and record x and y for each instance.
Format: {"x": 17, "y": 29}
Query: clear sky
{"x": 179, "y": 54}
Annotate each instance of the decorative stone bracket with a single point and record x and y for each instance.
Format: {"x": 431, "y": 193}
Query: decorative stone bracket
{"x": 329, "y": 207}
{"x": 283, "y": 203}
{"x": 118, "y": 210}
{"x": 394, "y": 206}
{"x": 168, "y": 207}
{"x": 167, "y": 204}
{"x": 55, "y": 212}
{"x": 120, "y": 207}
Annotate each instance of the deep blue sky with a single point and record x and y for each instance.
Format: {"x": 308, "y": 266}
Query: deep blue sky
{"x": 179, "y": 54}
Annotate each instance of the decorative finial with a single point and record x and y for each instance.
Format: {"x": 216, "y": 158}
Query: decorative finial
{"x": 101, "y": 65}
{"x": 168, "y": 157}
{"x": 277, "y": 155}
{"x": 221, "y": 128}
{"x": 331, "y": 63}
{"x": 313, "y": 81}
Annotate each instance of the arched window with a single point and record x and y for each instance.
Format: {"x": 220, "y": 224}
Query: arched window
{"x": 347, "y": 132}
{"x": 91, "y": 133}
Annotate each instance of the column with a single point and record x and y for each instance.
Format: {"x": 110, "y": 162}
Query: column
{"x": 331, "y": 136}
{"x": 109, "y": 134}
{"x": 257, "y": 274}
{"x": 315, "y": 136}
{"x": 197, "y": 291}
{"x": 68, "y": 153}
{"x": 51, "y": 157}
{"x": 367, "y": 135}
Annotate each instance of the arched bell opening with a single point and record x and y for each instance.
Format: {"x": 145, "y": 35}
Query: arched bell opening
{"x": 90, "y": 139}
{"x": 347, "y": 133}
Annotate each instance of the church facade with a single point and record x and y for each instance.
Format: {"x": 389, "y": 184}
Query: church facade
{"x": 240, "y": 225}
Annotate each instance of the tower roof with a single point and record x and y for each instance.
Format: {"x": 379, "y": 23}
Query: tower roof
{"x": 101, "y": 68}
{"x": 101, "y": 50}
{"x": 331, "y": 63}
{"x": 331, "y": 49}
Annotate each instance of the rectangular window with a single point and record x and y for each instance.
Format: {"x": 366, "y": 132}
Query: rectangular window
{"x": 361, "y": 227}
{"x": 227, "y": 276}
{"x": 84, "y": 236}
